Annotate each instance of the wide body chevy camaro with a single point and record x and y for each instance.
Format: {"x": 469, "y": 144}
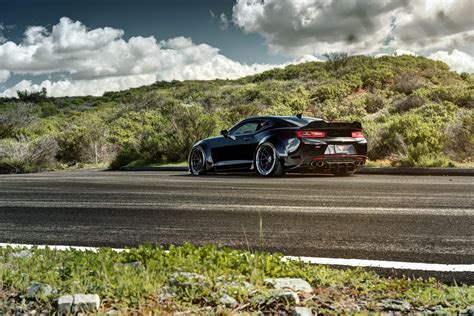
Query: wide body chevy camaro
{"x": 273, "y": 145}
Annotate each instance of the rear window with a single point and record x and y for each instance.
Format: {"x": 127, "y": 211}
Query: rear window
{"x": 300, "y": 121}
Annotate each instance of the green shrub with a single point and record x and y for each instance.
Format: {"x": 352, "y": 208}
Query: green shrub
{"x": 420, "y": 155}
{"x": 23, "y": 155}
{"x": 375, "y": 102}
{"x": 408, "y": 103}
{"x": 376, "y": 79}
{"x": 350, "y": 108}
{"x": 131, "y": 131}
{"x": 386, "y": 144}
{"x": 85, "y": 141}
{"x": 187, "y": 125}
{"x": 165, "y": 136}
{"x": 459, "y": 144}
{"x": 15, "y": 116}
{"x": 332, "y": 91}
{"x": 407, "y": 82}
{"x": 424, "y": 125}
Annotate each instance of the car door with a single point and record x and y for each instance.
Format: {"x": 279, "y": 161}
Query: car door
{"x": 234, "y": 151}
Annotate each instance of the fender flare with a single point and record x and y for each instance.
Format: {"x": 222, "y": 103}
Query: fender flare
{"x": 207, "y": 151}
{"x": 280, "y": 147}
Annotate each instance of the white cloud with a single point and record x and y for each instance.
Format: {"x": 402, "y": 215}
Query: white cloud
{"x": 297, "y": 27}
{"x": 82, "y": 87}
{"x": 457, "y": 60}
{"x": 401, "y": 51}
{"x": 101, "y": 60}
{"x": 223, "y": 22}
{"x": 4, "y": 75}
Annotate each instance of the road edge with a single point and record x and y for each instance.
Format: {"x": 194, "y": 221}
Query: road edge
{"x": 353, "y": 263}
{"x": 403, "y": 171}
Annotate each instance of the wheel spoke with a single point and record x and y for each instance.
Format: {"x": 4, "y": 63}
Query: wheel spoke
{"x": 197, "y": 160}
{"x": 265, "y": 159}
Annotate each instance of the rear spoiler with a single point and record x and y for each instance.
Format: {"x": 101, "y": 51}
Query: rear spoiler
{"x": 325, "y": 124}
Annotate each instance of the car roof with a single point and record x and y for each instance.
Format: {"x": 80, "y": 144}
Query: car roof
{"x": 293, "y": 120}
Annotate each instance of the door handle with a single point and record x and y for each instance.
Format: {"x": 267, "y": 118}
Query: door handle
{"x": 247, "y": 138}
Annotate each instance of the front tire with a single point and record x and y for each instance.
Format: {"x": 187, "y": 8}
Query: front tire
{"x": 267, "y": 162}
{"x": 197, "y": 161}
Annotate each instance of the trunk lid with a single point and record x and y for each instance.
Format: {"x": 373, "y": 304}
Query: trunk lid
{"x": 333, "y": 129}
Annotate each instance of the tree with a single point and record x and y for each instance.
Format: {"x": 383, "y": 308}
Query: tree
{"x": 336, "y": 60}
{"x": 28, "y": 96}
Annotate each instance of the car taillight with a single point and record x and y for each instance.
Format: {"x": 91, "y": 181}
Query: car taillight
{"x": 358, "y": 134}
{"x": 310, "y": 134}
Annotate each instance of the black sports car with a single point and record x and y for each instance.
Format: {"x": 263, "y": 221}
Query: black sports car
{"x": 273, "y": 145}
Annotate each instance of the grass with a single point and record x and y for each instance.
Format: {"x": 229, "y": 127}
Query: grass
{"x": 143, "y": 287}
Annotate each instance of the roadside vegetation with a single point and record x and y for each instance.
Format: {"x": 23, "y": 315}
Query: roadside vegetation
{"x": 209, "y": 280}
{"x": 415, "y": 111}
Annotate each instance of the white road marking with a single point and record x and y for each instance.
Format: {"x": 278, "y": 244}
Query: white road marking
{"x": 386, "y": 264}
{"x": 437, "y": 267}
{"x": 240, "y": 207}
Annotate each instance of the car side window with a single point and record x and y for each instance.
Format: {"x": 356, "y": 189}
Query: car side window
{"x": 247, "y": 128}
{"x": 263, "y": 125}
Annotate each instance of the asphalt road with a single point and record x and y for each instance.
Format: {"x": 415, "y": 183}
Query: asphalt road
{"x": 401, "y": 218}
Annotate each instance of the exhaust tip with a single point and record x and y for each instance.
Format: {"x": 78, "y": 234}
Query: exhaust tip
{"x": 319, "y": 164}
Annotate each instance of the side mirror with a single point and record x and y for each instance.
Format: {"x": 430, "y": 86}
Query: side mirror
{"x": 225, "y": 133}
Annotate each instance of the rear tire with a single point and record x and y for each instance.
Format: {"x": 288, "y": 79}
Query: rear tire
{"x": 197, "y": 161}
{"x": 267, "y": 161}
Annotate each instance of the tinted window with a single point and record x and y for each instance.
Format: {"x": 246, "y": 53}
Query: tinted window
{"x": 247, "y": 128}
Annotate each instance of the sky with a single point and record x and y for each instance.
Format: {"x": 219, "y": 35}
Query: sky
{"x": 88, "y": 47}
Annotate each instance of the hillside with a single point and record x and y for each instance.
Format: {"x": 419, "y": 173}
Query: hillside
{"x": 415, "y": 112}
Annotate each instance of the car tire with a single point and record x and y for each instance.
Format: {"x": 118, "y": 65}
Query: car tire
{"x": 267, "y": 162}
{"x": 197, "y": 161}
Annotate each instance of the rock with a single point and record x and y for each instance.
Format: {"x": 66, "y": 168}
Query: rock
{"x": 38, "y": 289}
{"x": 395, "y": 305}
{"x": 294, "y": 284}
{"x": 22, "y": 254}
{"x": 65, "y": 304}
{"x": 185, "y": 279}
{"x": 133, "y": 264}
{"x": 166, "y": 293}
{"x": 468, "y": 311}
{"x": 85, "y": 303}
{"x": 228, "y": 301}
{"x": 286, "y": 297}
{"x": 302, "y": 311}
{"x": 236, "y": 284}
{"x": 436, "y": 308}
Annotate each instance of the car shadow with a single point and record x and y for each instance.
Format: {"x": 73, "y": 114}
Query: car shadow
{"x": 255, "y": 175}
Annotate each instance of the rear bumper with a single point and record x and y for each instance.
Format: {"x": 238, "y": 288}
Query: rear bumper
{"x": 313, "y": 157}
{"x": 330, "y": 164}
